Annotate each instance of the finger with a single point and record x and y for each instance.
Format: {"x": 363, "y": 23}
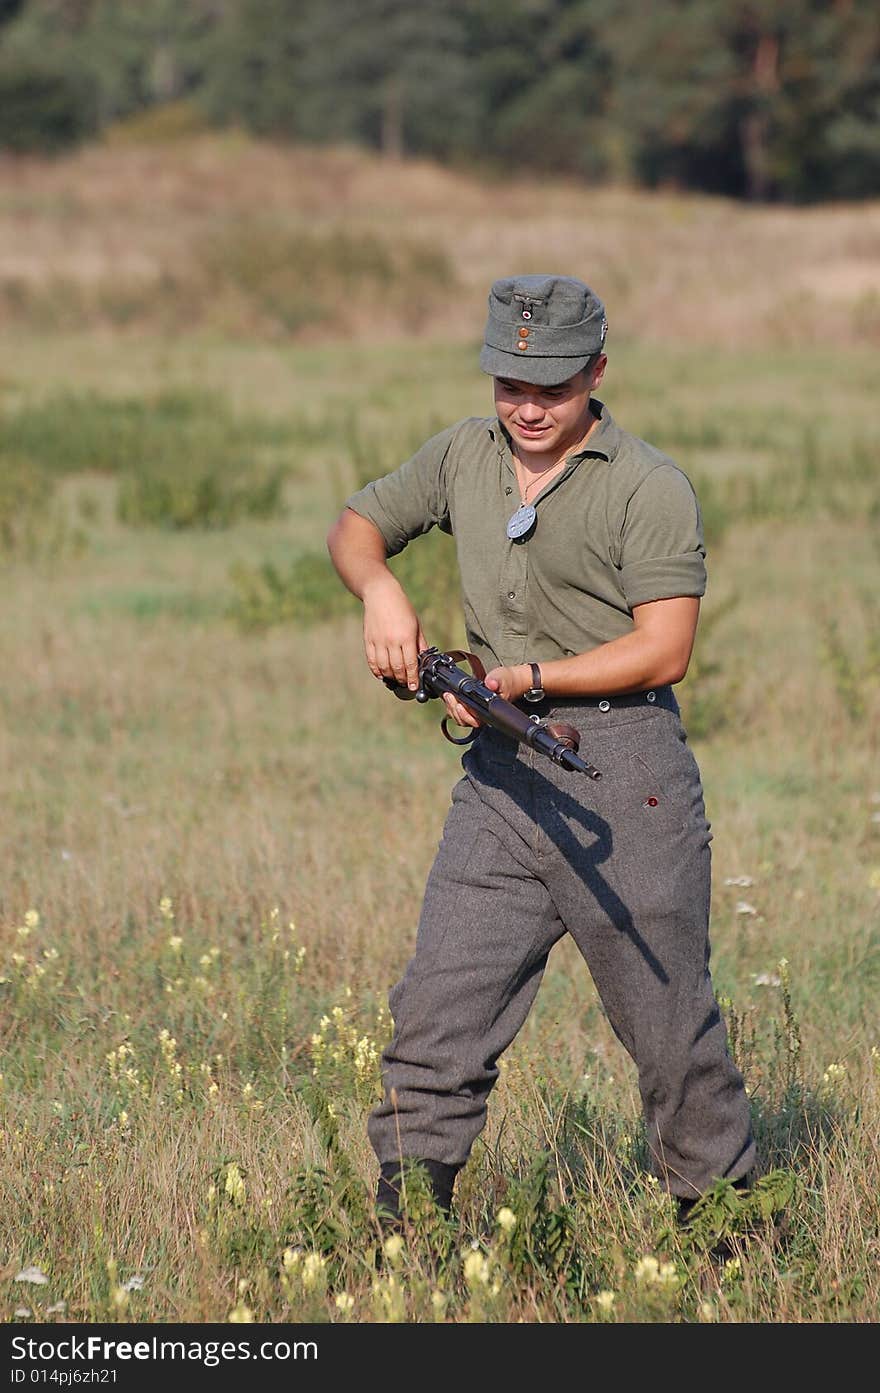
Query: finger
{"x": 452, "y": 707}
{"x": 462, "y": 715}
{"x": 398, "y": 665}
{"x": 411, "y": 657}
{"x": 372, "y": 664}
{"x": 372, "y": 659}
{"x": 383, "y": 663}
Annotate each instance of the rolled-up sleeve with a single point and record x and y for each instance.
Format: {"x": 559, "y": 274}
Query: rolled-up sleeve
{"x": 662, "y": 550}
{"x": 411, "y": 500}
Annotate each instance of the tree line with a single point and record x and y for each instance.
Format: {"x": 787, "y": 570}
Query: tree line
{"x": 758, "y": 99}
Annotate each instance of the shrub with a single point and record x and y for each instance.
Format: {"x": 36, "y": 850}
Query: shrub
{"x": 44, "y": 106}
{"x": 291, "y": 277}
{"x": 308, "y": 592}
{"x": 183, "y": 459}
{"x": 179, "y": 494}
{"x": 158, "y": 125}
{"x": 31, "y": 523}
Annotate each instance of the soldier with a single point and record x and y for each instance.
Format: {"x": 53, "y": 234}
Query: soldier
{"x": 582, "y": 563}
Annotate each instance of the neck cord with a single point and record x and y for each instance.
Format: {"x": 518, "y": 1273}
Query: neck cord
{"x": 541, "y": 476}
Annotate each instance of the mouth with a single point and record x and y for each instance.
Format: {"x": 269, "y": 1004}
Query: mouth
{"x": 533, "y": 432}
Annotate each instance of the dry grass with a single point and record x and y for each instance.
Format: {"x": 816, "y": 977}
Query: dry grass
{"x": 123, "y": 236}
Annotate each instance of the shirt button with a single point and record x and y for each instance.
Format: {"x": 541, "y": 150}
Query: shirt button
{"x": 511, "y": 594}
{"x": 604, "y": 705}
{"x": 508, "y": 490}
{"x": 651, "y": 696}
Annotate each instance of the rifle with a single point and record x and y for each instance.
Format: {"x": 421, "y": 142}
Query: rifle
{"x": 438, "y": 674}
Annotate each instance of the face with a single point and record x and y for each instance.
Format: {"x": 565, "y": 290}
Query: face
{"x": 545, "y": 421}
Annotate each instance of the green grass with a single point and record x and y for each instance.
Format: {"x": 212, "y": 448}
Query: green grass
{"x": 258, "y": 777}
{"x": 183, "y": 459}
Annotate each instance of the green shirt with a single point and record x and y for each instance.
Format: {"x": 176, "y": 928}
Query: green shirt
{"x": 618, "y": 527}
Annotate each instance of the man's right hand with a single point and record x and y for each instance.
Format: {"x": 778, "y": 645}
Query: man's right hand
{"x": 393, "y": 637}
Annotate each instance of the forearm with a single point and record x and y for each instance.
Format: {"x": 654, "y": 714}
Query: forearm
{"x": 393, "y": 636}
{"x": 628, "y": 664}
{"x": 357, "y": 550}
{"x": 656, "y": 652}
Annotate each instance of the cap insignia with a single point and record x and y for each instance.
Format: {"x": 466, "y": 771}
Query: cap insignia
{"x": 527, "y": 301}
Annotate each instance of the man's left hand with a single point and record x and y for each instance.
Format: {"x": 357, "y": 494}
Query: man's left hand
{"x": 509, "y": 682}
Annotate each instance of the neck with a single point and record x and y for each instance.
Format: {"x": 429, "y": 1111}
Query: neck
{"x": 532, "y": 479}
{"x": 535, "y": 464}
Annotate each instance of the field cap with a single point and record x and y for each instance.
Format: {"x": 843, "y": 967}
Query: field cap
{"x": 542, "y": 329}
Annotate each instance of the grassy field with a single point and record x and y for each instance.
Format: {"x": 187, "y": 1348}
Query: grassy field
{"x": 217, "y": 827}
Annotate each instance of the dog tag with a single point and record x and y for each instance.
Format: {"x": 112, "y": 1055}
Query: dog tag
{"x": 521, "y": 522}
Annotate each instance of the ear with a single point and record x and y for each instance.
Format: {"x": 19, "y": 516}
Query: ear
{"x": 597, "y": 371}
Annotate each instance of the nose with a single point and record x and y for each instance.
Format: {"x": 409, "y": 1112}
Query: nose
{"x": 530, "y": 410}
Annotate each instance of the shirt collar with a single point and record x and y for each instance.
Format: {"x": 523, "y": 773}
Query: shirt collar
{"x": 604, "y": 441}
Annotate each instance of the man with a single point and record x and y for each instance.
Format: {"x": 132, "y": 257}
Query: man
{"x": 582, "y": 565}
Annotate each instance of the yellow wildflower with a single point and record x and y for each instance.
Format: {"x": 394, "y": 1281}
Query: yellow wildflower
{"x": 476, "y": 1269}
{"x": 439, "y": 1302}
{"x": 235, "y": 1186}
{"x": 313, "y": 1270}
{"x": 390, "y": 1297}
{"x": 393, "y": 1247}
{"x": 506, "y": 1219}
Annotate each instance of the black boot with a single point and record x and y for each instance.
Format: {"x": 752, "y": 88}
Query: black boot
{"x": 686, "y": 1206}
{"x": 718, "y": 1245}
{"x": 391, "y": 1179}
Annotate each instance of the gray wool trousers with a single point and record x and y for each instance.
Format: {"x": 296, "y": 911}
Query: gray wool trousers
{"x": 528, "y": 853}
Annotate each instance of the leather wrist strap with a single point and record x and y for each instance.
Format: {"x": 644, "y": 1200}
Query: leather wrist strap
{"x": 536, "y": 691}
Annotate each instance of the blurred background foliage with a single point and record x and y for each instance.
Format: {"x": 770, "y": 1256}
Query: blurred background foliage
{"x": 769, "y": 100}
